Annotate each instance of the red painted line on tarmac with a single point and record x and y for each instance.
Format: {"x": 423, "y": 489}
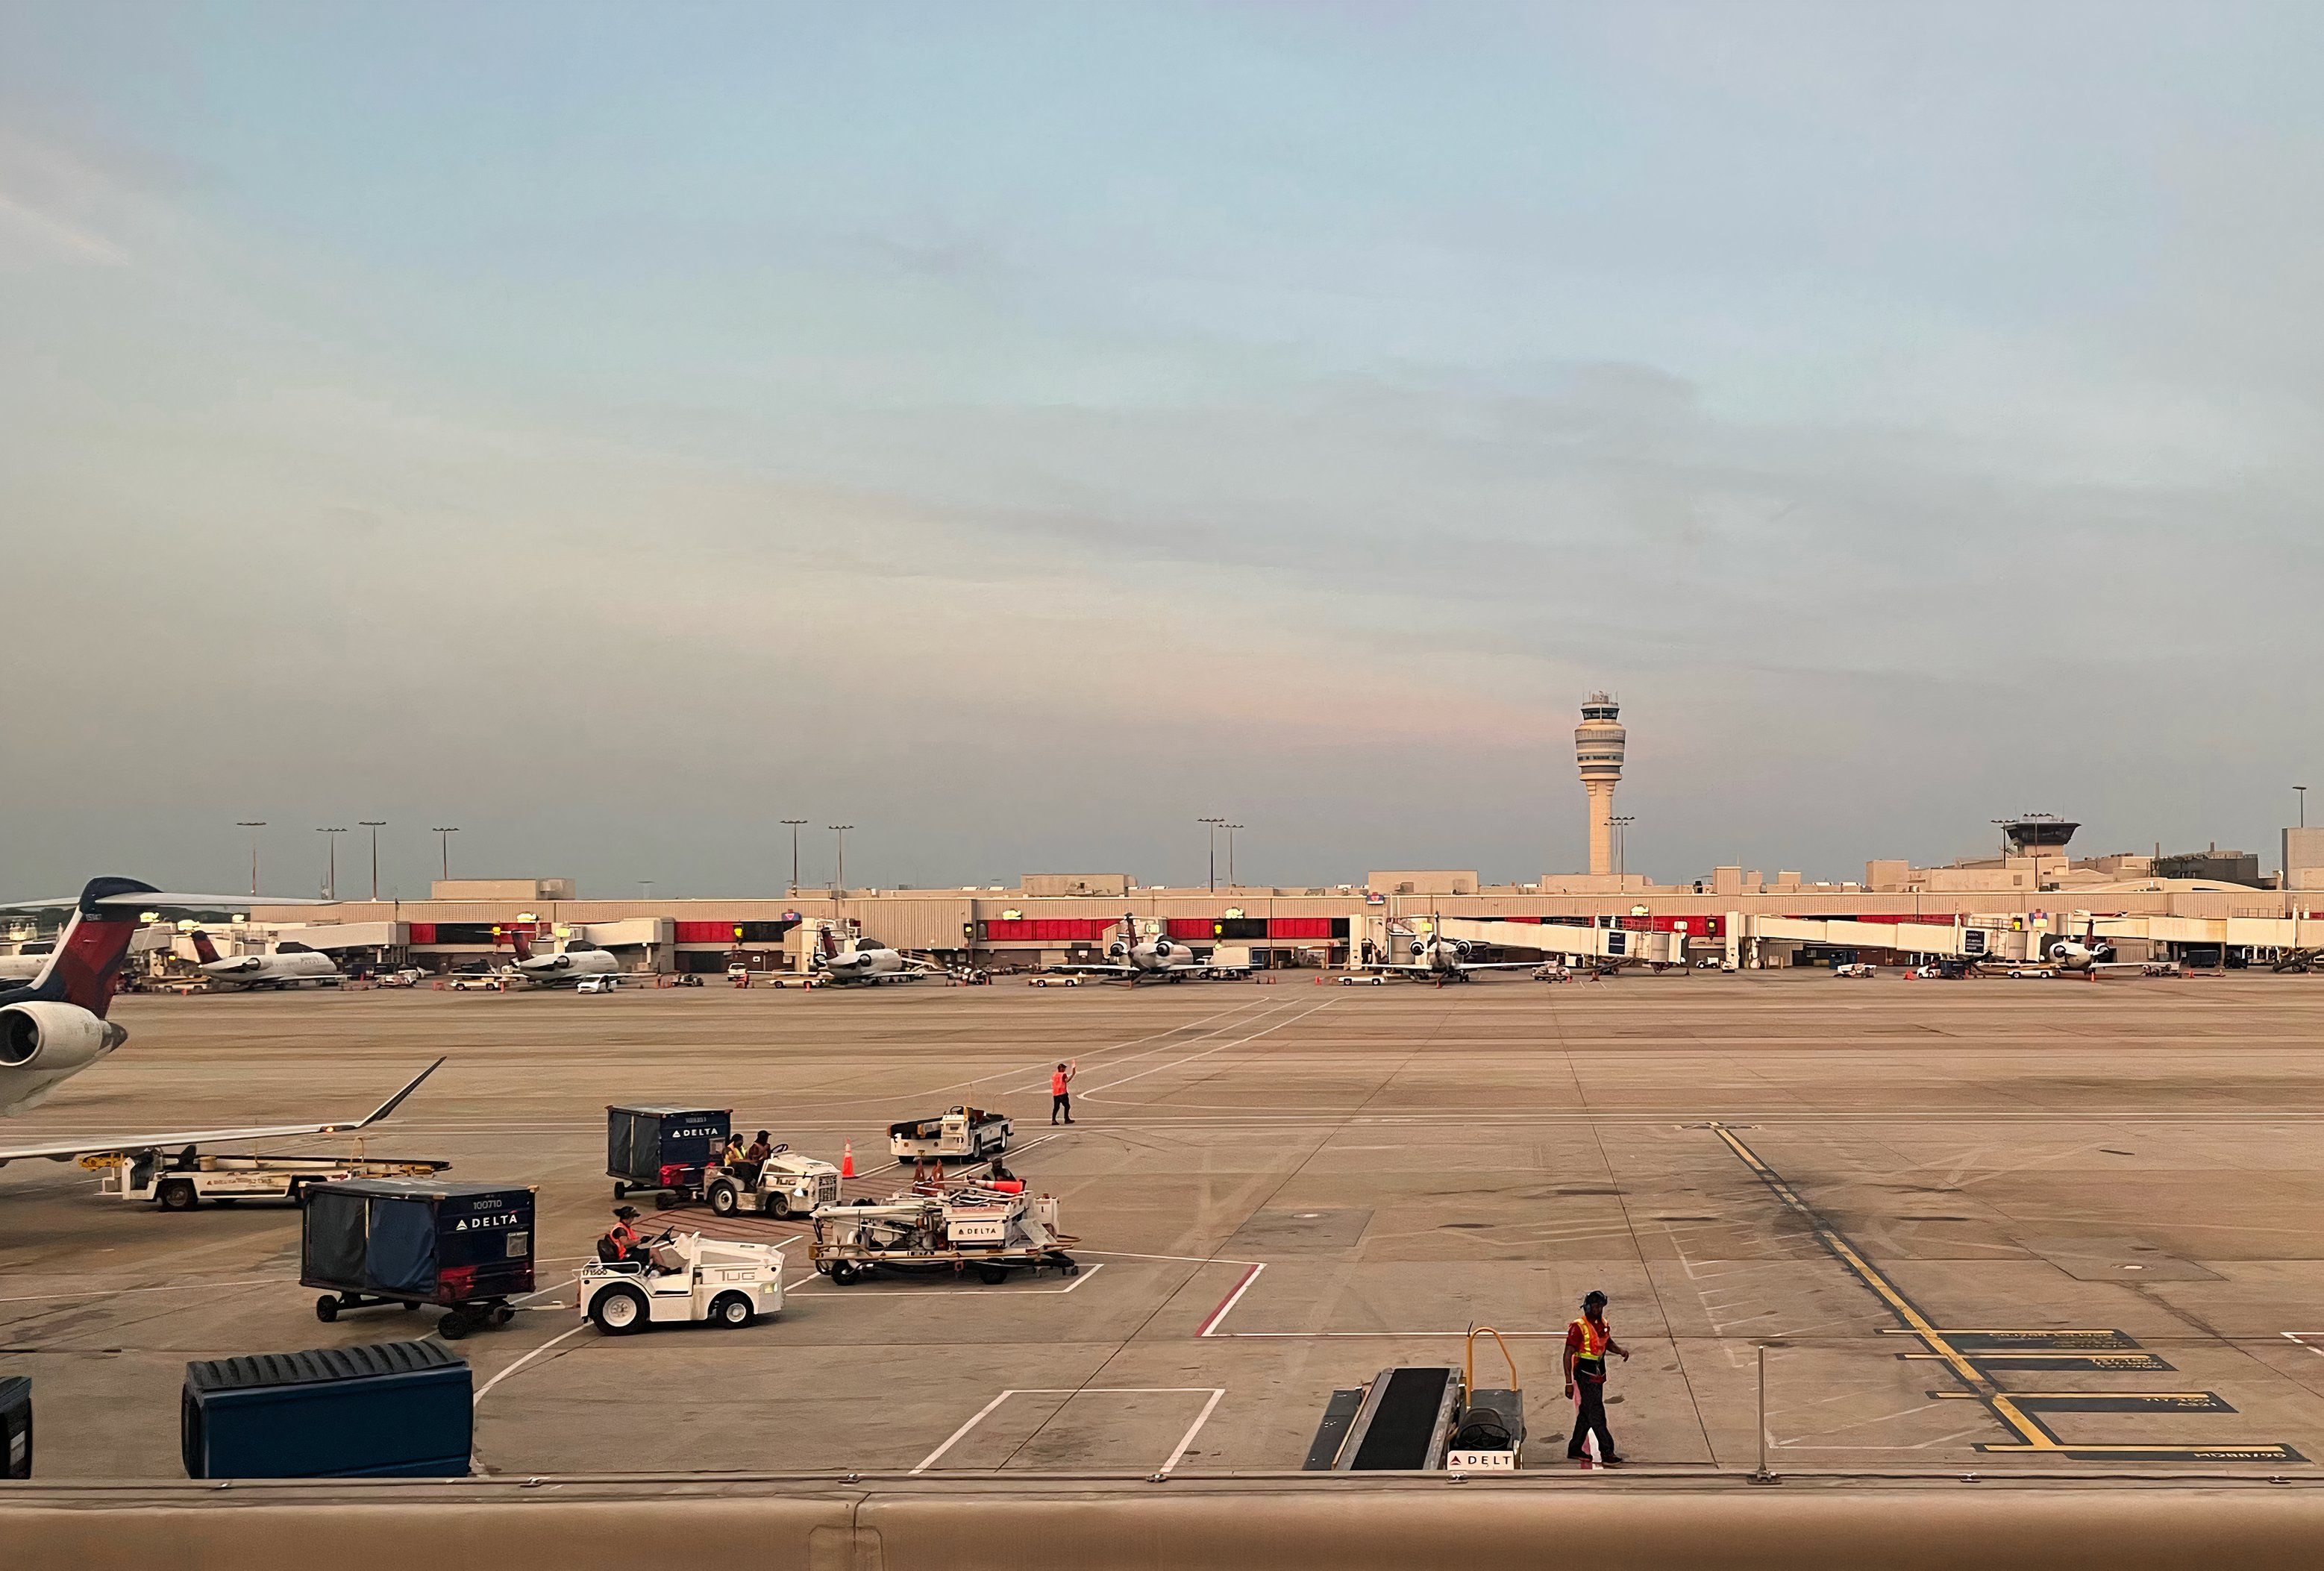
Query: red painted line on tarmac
{"x": 1228, "y": 1302}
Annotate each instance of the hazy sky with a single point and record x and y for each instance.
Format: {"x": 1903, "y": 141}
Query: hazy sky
{"x": 1018, "y": 430}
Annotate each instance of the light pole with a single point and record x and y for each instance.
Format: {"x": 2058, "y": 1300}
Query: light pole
{"x": 1213, "y": 824}
{"x": 444, "y": 834}
{"x": 253, "y": 825}
{"x": 795, "y": 824}
{"x": 2302, "y": 790}
{"x": 645, "y": 889}
{"x": 1621, "y": 842}
{"x": 374, "y": 825}
{"x": 1231, "y": 829}
{"x": 331, "y": 877}
{"x": 839, "y": 879}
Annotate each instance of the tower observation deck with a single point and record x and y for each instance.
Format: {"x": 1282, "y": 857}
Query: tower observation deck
{"x": 1598, "y": 745}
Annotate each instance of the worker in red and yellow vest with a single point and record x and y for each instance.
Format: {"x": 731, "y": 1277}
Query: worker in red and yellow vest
{"x": 1061, "y": 1091}
{"x": 1587, "y": 1341}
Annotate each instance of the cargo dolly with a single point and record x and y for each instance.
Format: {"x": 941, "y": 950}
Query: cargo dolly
{"x": 665, "y": 1152}
{"x": 941, "y": 1233}
{"x": 188, "y": 1178}
{"x": 464, "y": 1248}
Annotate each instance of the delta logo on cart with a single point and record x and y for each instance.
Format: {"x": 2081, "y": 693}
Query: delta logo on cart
{"x": 478, "y": 1224}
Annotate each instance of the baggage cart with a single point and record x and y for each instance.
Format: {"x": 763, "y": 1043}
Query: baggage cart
{"x": 191, "y": 1178}
{"x": 663, "y": 1151}
{"x": 465, "y": 1248}
{"x": 941, "y": 1233}
{"x": 392, "y": 1409}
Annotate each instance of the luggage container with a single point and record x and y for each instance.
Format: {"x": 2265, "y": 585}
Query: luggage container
{"x": 662, "y": 1151}
{"x": 392, "y": 1410}
{"x": 15, "y": 1426}
{"x": 467, "y": 1248}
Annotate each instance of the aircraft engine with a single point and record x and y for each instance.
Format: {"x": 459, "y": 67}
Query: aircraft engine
{"x": 1164, "y": 949}
{"x": 1460, "y": 947}
{"x": 45, "y": 1035}
{"x": 1419, "y": 946}
{"x": 1118, "y": 950}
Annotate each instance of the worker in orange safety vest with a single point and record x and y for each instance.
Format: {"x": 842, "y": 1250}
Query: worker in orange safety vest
{"x": 1587, "y": 1340}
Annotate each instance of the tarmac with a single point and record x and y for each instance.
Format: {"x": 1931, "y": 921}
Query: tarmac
{"x": 1985, "y": 1225}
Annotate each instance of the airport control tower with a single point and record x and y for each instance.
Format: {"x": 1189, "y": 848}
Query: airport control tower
{"x": 1598, "y": 748}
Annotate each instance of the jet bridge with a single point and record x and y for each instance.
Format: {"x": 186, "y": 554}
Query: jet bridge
{"x": 1588, "y": 944}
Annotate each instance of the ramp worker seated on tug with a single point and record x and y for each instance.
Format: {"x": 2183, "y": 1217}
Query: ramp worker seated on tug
{"x": 1587, "y": 1340}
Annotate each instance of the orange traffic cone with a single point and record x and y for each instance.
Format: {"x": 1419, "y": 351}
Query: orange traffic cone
{"x": 847, "y": 1161}
{"x": 939, "y": 1178}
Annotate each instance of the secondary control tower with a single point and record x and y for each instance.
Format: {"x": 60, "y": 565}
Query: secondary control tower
{"x": 1597, "y": 744}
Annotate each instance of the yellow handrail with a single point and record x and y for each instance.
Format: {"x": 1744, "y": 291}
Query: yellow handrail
{"x": 1469, "y": 1358}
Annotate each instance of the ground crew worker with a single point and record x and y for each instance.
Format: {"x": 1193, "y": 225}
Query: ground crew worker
{"x": 734, "y": 1151}
{"x": 1061, "y": 1095}
{"x": 754, "y": 1160}
{"x": 621, "y": 1237}
{"x": 1587, "y": 1340}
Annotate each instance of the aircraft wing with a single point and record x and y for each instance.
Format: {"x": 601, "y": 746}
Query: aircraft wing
{"x": 97, "y": 1144}
{"x": 1503, "y": 965}
{"x": 1096, "y": 970}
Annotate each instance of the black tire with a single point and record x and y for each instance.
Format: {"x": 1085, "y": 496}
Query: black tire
{"x": 723, "y": 1201}
{"x": 327, "y": 1308}
{"x": 453, "y": 1327}
{"x": 621, "y": 1191}
{"x": 664, "y": 1199}
{"x": 502, "y": 1314}
{"x": 732, "y": 1312}
{"x": 992, "y": 1275}
{"x": 779, "y": 1207}
{"x": 842, "y": 1273}
{"x": 620, "y": 1312}
{"x": 178, "y": 1195}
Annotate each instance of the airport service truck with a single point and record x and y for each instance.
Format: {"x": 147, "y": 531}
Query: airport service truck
{"x": 957, "y": 1134}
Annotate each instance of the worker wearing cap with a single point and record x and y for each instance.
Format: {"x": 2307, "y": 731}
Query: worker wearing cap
{"x": 1061, "y": 1095}
{"x": 623, "y": 1237}
{"x": 1587, "y": 1340}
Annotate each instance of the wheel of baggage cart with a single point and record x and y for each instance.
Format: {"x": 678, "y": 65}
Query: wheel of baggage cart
{"x": 178, "y": 1195}
{"x": 618, "y": 1311}
{"x": 993, "y": 1275}
{"x": 723, "y": 1200}
{"x": 664, "y": 1199}
{"x": 454, "y": 1326}
{"x": 621, "y": 1191}
{"x": 502, "y": 1314}
{"x": 842, "y": 1273}
{"x": 732, "y": 1312}
{"x": 327, "y": 1308}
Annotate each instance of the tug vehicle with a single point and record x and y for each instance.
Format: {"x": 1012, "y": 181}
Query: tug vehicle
{"x": 684, "y": 1279}
{"x": 787, "y": 1185}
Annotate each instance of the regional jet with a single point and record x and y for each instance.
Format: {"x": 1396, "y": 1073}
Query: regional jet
{"x": 864, "y": 962}
{"x": 1437, "y": 958}
{"x": 54, "y": 1026}
{"x": 290, "y": 965}
{"x": 1133, "y": 959}
{"x": 567, "y": 967}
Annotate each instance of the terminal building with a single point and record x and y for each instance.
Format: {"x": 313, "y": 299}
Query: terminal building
{"x": 2032, "y": 884}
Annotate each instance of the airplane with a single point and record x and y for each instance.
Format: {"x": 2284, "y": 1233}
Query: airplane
{"x": 1439, "y": 959}
{"x": 290, "y": 965}
{"x": 864, "y": 962}
{"x": 567, "y": 968}
{"x": 1132, "y": 959}
{"x": 54, "y": 1026}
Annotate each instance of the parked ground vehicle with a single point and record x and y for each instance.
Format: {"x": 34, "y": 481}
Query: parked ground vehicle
{"x": 180, "y": 1183}
{"x": 471, "y": 983}
{"x": 1352, "y": 979}
{"x": 943, "y": 1232}
{"x": 465, "y": 1247}
{"x": 597, "y": 984}
{"x": 685, "y": 1279}
{"x": 960, "y": 1134}
{"x": 786, "y": 1185}
{"x": 1054, "y": 982}
{"x": 1855, "y": 969}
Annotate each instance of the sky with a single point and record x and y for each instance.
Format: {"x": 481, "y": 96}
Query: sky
{"x": 1019, "y": 431}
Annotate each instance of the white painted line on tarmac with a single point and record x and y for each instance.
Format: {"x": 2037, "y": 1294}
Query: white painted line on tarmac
{"x": 109, "y": 1292}
{"x": 1209, "y": 1326}
{"x": 527, "y": 1358}
{"x": 1207, "y": 1052}
{"x": 1187, "y": 1439}
{"x": 822, "y": 1286}
{"x": 955, "y": 1439}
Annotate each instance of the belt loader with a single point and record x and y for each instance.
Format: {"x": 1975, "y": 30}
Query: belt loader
{"x": 1431, "y": 1418}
